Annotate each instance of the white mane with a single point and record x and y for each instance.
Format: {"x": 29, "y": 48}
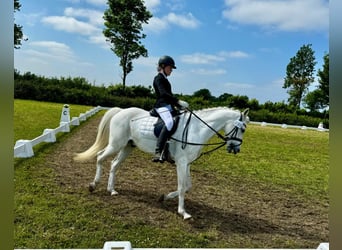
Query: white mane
{"x": 210, "y": 110}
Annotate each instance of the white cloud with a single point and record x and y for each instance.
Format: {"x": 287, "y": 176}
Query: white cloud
{"x": 91, "y": 26}
{"x": 186, "y": 21}
{"x": 95, "y": 17}
{"x": 285, "y": 15}
{"x": 100, "y": 40}
{"x": 202, "y": 58}
{"x": 97, "y": 2}
{"x": 152, "y": 5}
{"x": 235, "y": 85}
{"x": 30, "y": 19}
{"x": 73, "y": 1}
{"x": 175, "y": 5}
{"x": 51, "y": 50}
{"x": 234, "y": 54}
{"x": 209, "y": 72}
{"x": 157, "y": 24}
{"x": 151, "y": 61}
{"x": 70, "y": 24}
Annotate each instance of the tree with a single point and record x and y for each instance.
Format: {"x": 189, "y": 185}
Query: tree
{"x": 313, "y": 100}
{"x": 224, "y": 97}
{"x": 299, "y": 75}
{"x": 324, "y": 81}
{"x": 238, "y": 101}
{"x": 319, "y": 98}
{"x": 123, "y": 21}
{"x": 204, "y": 93}
{"x": 18, "y": 30}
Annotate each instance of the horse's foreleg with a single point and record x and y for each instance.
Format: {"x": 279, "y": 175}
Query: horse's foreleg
{"x": 171, "y": 195}
{"x": 182, "y": 174}
{"x": 188, "y": 186}
{"x": 122, "y": 155}
{"x": 188, "y": 179}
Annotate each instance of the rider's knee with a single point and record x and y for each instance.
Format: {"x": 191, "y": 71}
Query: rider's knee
{"x": 169, "y": 124}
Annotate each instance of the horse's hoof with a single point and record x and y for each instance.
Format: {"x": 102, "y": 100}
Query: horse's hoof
{"x": 91, "y": 187}
{"x": 186, "y": 216}
{"x": 161, "y": 198}
{"x": 114, "y": 193}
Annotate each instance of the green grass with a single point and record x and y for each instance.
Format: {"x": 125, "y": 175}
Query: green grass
{"x": 292, "y": 159}
{"x": 32, "y": 117}
{"x": 289, "y": 162}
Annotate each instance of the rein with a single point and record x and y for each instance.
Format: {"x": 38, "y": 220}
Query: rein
{"x": 225, "y": 138}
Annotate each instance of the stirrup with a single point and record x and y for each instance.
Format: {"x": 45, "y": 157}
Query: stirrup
{"x": 158, "y": 157}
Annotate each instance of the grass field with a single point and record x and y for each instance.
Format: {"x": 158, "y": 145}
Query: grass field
{"x": 273, "y": 194}
{"x": 32, "y": 117}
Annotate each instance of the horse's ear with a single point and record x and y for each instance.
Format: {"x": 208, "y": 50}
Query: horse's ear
{"x": 245, "y": 114}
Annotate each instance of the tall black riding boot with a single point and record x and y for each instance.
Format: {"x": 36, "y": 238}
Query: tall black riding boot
{"x": 164, "y": 134}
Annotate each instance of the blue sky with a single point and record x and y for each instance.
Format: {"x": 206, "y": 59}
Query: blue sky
{"x": 241, "y": 47}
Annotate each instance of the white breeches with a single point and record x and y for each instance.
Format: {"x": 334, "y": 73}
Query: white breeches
{"x": 165, "y": 115}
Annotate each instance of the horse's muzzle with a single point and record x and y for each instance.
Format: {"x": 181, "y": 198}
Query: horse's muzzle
{"x": 231, "y": 148}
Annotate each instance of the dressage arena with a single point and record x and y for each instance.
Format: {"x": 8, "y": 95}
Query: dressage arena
{"x": 226, "y": 210}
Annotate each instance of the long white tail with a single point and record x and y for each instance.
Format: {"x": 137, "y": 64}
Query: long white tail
{"x": 101, "y": 138}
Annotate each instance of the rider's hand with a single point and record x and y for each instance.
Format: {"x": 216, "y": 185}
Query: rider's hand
{"x": 183, "y": 104}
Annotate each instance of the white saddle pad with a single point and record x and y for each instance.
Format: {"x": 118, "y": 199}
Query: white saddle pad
{"x": 145, "y": 126}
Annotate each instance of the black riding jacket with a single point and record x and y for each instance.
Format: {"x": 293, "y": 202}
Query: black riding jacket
{"x": 163, "y": 91}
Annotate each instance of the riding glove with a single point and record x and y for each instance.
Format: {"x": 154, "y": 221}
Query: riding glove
{"x": 183, "y": 104}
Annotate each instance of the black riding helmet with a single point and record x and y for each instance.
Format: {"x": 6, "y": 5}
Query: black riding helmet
{"x": 166, "y": 61}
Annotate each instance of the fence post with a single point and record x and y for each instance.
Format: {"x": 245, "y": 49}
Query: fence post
{"x": 320, "y": 127}
{"x": 65, "y": 118}
{"x": 51, "y": 135}
{"x": 27, "y": 148}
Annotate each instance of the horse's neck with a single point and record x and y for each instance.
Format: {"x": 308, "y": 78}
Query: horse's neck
{"x": 216, "y": 118}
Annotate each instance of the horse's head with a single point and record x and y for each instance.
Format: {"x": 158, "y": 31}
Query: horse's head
{"x": 234, "y": 132}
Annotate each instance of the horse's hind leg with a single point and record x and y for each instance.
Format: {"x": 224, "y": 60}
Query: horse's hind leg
{"x": 101, "y": 156}
{"x": 121, "y": 156}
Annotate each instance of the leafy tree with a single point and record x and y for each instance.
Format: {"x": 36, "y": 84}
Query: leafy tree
{"x": 224, "y": 97}
{"x": 253, "y": 104}
{"x": 319, "y": 98}
{"x": 238, "y": 101}
{"x": 204, "y": 93}
{"x": 299, "y": 74}
{"x": 324, "y": 81}
{"x": 123, "y": 21}
{"x": 312, "y": 100}
{"x": 18, "y": 29}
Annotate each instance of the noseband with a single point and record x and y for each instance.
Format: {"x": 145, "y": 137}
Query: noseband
{"x": 232, "y": 135}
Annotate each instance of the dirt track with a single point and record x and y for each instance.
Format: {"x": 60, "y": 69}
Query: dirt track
{"x": 254, "y": 211}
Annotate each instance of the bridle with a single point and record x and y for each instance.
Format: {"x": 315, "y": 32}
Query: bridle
{"x": 230, "y": 136}
{"x": 238, "y": 124}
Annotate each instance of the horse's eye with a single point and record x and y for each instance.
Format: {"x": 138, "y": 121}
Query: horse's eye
{"x": 243, "y": 128}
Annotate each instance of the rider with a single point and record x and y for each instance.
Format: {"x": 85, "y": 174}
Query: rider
{"x": 166, "y": 102}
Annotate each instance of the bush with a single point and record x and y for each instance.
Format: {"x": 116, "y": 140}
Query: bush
{"x": 79, "y": 91}
{"x": 264, "y": 115}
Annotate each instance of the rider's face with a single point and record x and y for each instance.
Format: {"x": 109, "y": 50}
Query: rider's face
{"x": 168, "y": 70}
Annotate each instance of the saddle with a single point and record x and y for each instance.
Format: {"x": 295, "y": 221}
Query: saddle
{"x": 160, "y": 123}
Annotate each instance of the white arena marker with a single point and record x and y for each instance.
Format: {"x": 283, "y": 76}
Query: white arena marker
{"x": 117, "y": 245}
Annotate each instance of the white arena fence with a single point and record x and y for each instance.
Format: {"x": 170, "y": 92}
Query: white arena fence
{"x": 24, "y": 148}
{"x": 126, "y": 245}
